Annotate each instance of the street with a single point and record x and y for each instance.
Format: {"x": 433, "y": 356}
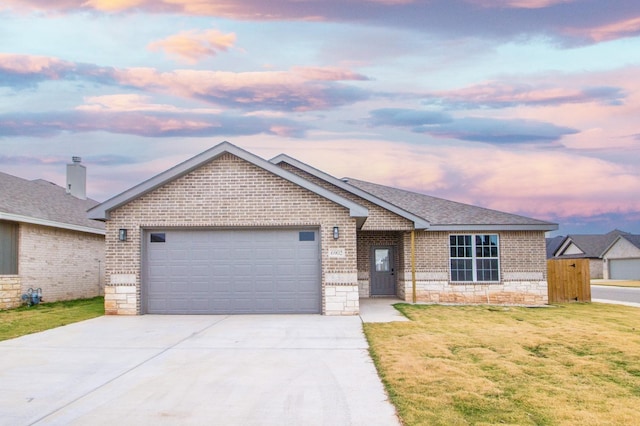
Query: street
{"x": 618, "y": 294}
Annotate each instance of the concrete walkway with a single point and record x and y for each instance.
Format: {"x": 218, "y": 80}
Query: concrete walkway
{"x": 194, "y": 370}
{"x": 380, "y": 309}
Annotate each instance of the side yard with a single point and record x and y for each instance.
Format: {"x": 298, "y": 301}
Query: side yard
{"x": 27, "y": 320}
{"x": 560, "y": 365}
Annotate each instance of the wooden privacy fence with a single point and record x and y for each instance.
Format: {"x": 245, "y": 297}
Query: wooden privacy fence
{"x": 569, "y": 280}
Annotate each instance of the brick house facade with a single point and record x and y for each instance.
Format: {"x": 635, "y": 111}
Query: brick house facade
{"x": 364, "y": 242}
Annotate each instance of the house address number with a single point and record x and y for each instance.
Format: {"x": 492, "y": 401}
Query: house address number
{"x": 337, "y": 253}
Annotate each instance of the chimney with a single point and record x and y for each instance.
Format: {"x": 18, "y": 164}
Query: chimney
{"x": 77, "y": 179}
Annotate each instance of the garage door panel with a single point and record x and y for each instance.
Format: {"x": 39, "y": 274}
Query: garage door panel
{"x": 233, "y": 271}
{"x": 624, "y": 269}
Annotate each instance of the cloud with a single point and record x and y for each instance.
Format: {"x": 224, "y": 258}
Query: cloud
{"x": 300, "y": 89}
{"x": 518, "y": 4}
{"x": 506, "y": 95}
{"x": 23, "y": 160}
{"x": 158, "y": 124}
{"x": 271, "y": 90}
{"x": 498, "y": 131}
{"x": 193, "y": 46}
{"x": 328, "y": 74}
{"x": 26, "y": 71}
{"x": 473, "y": 129}
{"x": 129, "y": 102}
{"x": 400, "y": 117}
{"x": 570, "y": 21}
{"x": 607, "y": 32}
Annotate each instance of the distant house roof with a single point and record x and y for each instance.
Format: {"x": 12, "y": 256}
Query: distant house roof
{"x": 44, "y": 203}
{"x": 592, "y": 246}
{"x": 450, "y": 215}
{"x": 553, "y": 244}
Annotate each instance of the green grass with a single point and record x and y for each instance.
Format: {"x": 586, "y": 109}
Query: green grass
{"x": 26, "y": 320}
{"x": 478, "y": 365}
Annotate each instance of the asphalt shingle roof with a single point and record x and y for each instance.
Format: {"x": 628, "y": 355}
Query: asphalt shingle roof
{"x": 439, "y": 211}
{"x": 594, "y": 245}
{"x": 44, "y": 200}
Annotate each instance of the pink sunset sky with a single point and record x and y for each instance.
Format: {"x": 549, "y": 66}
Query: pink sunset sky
{"x": 525, "y": 106}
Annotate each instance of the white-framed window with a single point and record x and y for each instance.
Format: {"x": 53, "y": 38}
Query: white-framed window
{"x": 474, "y": 258}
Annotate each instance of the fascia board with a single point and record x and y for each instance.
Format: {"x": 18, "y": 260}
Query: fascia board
{"x": 101, "y": 211}
{"x": 562, "y": 247}
{"x": 418, "y": 222}
{"x": 51, "y": 223}
{"x": 467, "y": 228}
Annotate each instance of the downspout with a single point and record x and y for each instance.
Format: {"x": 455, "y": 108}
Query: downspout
{"x": 413, "y": 263}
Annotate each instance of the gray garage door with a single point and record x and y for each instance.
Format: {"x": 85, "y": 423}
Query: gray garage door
{"x": 624, "y": 269}
{"x": 232, "y": 271}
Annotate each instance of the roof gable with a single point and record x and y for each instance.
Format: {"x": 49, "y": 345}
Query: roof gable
{"x": 44, "y": 203}
{"x": 101, "y": 211}
{"x": 631, "y": 239}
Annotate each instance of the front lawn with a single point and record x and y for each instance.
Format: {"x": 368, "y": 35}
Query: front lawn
{"x": 26, "y": 320}
{"x": 469, "y": 365}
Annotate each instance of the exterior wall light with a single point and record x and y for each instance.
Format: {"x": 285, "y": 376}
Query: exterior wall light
{"x": 336, "y": 232}
{"x": 122, "y": 234}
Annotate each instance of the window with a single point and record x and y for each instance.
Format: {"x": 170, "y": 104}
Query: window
{"x": 8, "y": 248}
{"x": 474, "y": 258}
{"x": 158, "y": 237}
{"x": 306, "y": 236}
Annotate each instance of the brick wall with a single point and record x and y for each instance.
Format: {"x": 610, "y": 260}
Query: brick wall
{"x": 523, "y": 271}
{"x": 228, "y": 192}
{"x": 65, "y": 264}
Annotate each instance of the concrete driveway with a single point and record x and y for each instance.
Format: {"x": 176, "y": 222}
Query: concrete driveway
{"x": 194, "y": 370}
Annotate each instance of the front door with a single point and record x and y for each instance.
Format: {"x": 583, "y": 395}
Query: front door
{"x": 383, "y": 272}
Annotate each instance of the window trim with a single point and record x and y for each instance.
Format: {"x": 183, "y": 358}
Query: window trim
{"x": 474, "y": 258}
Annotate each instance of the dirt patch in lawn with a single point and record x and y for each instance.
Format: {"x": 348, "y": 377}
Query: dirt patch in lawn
{"x": 459, "y": 365}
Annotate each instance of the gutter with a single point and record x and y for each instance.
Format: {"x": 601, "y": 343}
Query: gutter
{"x": 51, "y": 223}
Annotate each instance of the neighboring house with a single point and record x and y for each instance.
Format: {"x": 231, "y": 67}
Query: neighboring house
{"x": 622, "y": 258}
{"x": 589, "y": 246}
{"x": 47, "y": 241}
{"x": 229, "y": 232}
